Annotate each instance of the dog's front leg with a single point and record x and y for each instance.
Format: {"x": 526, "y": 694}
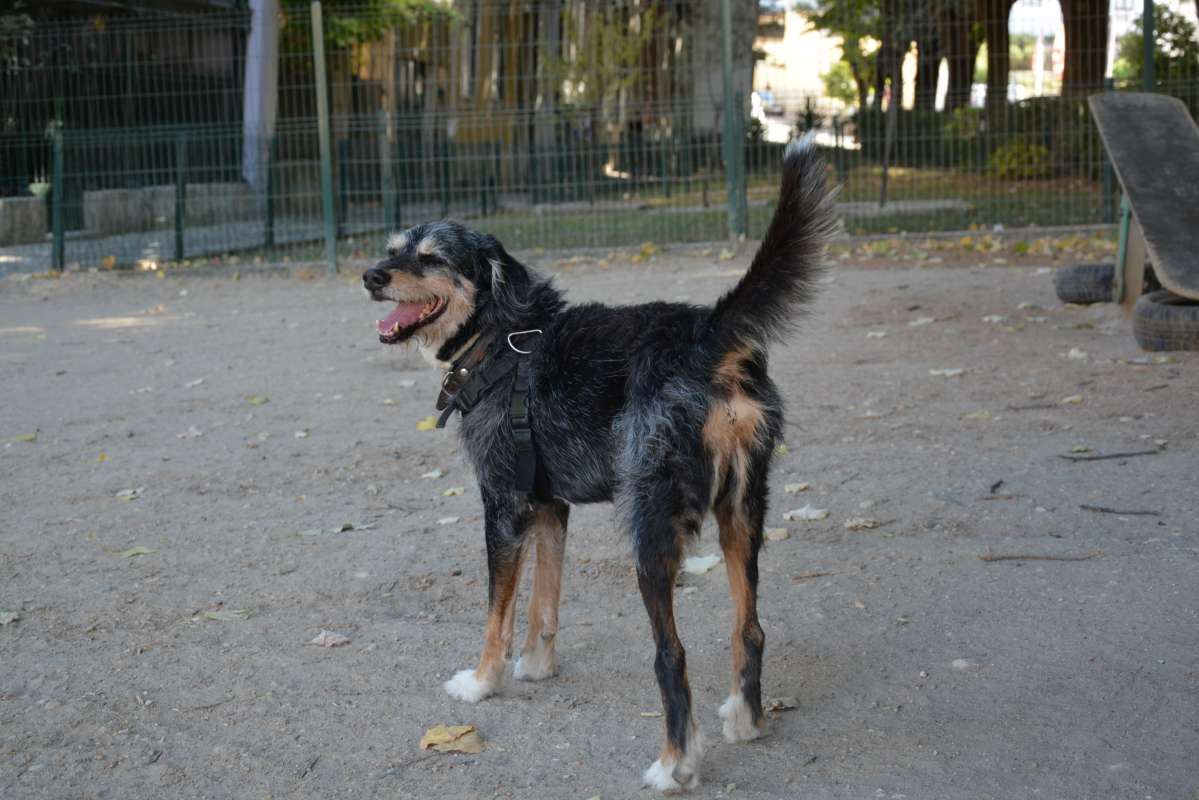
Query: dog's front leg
{"x": 505, "y": 529}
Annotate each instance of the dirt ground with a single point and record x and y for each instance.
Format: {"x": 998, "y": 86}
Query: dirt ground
{"x": 234, "y": 428}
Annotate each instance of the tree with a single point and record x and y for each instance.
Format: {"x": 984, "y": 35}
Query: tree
{"x": 839, "y": 84}
{"x": 960, "y": 37}
{"x": 1175, "y": 52}
{"x": 994, "y": 16}
{"x": 854, "y": 21}
{"x": 1086, "y": 23}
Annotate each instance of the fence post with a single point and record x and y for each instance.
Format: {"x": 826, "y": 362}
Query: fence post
{"x": 734, "y": 151}
{"x": 343, "y": 185}
{"x": 57, "y": 184}
{"x": 1109, "y": 207}
{"x": 1150, "y": 46}
{"x": 386, "y": 170}
{"x": 180, "y": 190}
{"x": 272, "y": 158}
{"x": 445, "y": 177}
{"x": 322, "y": 110}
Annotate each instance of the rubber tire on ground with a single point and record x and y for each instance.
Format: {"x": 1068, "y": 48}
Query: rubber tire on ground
{"x": 1085, "y": 283}
{"x": 1165, "y": 321}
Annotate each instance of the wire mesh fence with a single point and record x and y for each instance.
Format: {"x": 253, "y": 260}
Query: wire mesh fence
{"x": 158, "y": 137}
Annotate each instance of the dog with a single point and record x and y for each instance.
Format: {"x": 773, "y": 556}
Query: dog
{"x": 665, "y": 409}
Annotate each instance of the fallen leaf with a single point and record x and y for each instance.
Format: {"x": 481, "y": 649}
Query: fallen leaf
{"x": 257, "y": 400}
{"x": 427, "y": 424}
{"x": 1072, "y": 400}
{"x": 447, "y": 520}
{"x": 191, "y": 433}
{"x": 454, "y": 491}
{"x": 951, "y": 372}
{"x": 920, "y": 321}
{"x": 777, "y": 534}
{"x": 328, "y": 639}
{"x": 193, "y": 384}
{"x": 100, "y": 459}
{"x": 725, "y": 255}
{"x": 1080, "y": 448}
{"x": 807, "y": 513}
{"x": 8, "y": 618}
{"x": 229, "y": 615}
{"x": 861, "y": 523}
{"x": 137, "y": 551}
{"x": 780, "y": 704}
{"x": 648, "y": 249}
{"x": 875, "y": 334}
{"x": 130, "y": 494}
{"x": 780, "y": 450}
{"x": 301, "y": 434}
{"x": 25, "y": 437}
{"x": 452, "y": 739}
{"x": 433, "y": 473}
{"x": 979, "y": 416}
{"x": 795, "y": 488}
{"x": 108, "y": 262}
{"x": 1077, "y": 355}
{"x": 994, "y": 318}
{"x": 699, "y": 565}
{"x": 651, "y": 714}
{"x": 387, "y": 401}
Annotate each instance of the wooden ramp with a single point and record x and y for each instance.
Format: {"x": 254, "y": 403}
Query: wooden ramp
{"x": 1154, "y": 147}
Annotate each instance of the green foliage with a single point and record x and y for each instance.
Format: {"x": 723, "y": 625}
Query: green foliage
{"x": 1021, "y": 159}
{"x": 350, "y": 22}
{"x": 963, "y": 123}
{"x": 1176, "y": 50}
{"x": 839, "y": 83}
{"x": 854, "y": 21}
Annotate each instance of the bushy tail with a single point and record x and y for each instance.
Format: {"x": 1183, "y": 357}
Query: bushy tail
{"x": 763, "y": 306}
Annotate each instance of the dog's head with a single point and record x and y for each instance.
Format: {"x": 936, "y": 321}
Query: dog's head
{"x": 447, "y": 283}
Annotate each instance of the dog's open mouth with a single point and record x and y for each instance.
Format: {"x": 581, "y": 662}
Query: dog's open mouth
{"x": 408, "y": 318}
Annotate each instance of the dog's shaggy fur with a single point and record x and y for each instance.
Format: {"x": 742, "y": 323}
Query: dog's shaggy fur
{"x": 664, "y": 408}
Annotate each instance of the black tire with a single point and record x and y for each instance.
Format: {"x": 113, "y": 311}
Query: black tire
{"x": 1085, "y": 283}
{"x": 1165, "y": 321}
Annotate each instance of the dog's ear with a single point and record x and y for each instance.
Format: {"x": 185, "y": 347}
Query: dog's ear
{"x": 510, "y": 282}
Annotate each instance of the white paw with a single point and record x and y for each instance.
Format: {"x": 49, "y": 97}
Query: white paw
{"x": 738, "y": 720}
{"x": 661, "y": 777}
{"x": 534, "y": 667}
{"x": 465, "y": 686}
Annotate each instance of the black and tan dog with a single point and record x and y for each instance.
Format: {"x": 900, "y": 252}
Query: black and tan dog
{"x": 664, "y": 408}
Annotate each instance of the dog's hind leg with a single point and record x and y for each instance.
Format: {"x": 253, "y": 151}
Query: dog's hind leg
{"x": 505, "y": 530}
{"x": 740, "y": 516}
{"x": 549, "y": 533}
{"x": 659, "y": 542}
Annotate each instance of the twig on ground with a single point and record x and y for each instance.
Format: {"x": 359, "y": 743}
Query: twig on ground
{"x": 1155, "y": 388}
{"x": 208, "y": 707}
{"x": 1132, "y": 454}
{"x": 850, "y": 478}
{"x": 1002, "y": 497}
{"x": 1130, "y": 513}
{"x": 1033, "y": 407}
{"x": 311, "y": 765}
{"x": 1033, "y": 557}
{"x": 805, "y": 576}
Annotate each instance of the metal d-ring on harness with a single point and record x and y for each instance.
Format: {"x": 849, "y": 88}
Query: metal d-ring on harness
{"x": 463, "y": 388}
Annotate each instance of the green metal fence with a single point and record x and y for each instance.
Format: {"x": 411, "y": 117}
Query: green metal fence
{"x": 150, "y": 137}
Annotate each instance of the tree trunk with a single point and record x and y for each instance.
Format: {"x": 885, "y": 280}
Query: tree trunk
{"x": 994, "y": 14}
{"x": 928, "y": 66}
{"x": 1086, "y": 24}
{"x": 955, "y": 33}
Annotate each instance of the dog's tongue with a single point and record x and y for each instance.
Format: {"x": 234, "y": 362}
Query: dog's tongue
{"x": 406, "y": 314}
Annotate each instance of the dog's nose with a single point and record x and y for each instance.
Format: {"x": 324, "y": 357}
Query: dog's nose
{"x": 375, "y": 279}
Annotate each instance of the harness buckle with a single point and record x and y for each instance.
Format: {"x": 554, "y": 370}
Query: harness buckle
{"x": 529, "y": 332}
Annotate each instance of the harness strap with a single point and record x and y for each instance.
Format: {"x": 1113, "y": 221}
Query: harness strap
{"x": 462, "y": 390}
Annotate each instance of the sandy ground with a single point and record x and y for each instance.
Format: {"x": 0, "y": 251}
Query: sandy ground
{"x": 920, "y": 669}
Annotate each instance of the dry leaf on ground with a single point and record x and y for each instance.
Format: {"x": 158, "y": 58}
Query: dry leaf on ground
{"x": 861, "y": 523}
{"x": 8, "y": 618}
{"x": 780, "y": 704}
{"x": 427, "y": 424}
{"x": 229, "y": 615}
{"x": 807, "y": 513}
{"x": 777, "y": 534}
{"x": 328, "y": 639}
{"x": 452, "y": 739}
{"x": 136, "y": 551}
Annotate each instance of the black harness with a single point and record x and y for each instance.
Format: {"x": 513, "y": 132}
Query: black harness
{"x": 466, "y": 384}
